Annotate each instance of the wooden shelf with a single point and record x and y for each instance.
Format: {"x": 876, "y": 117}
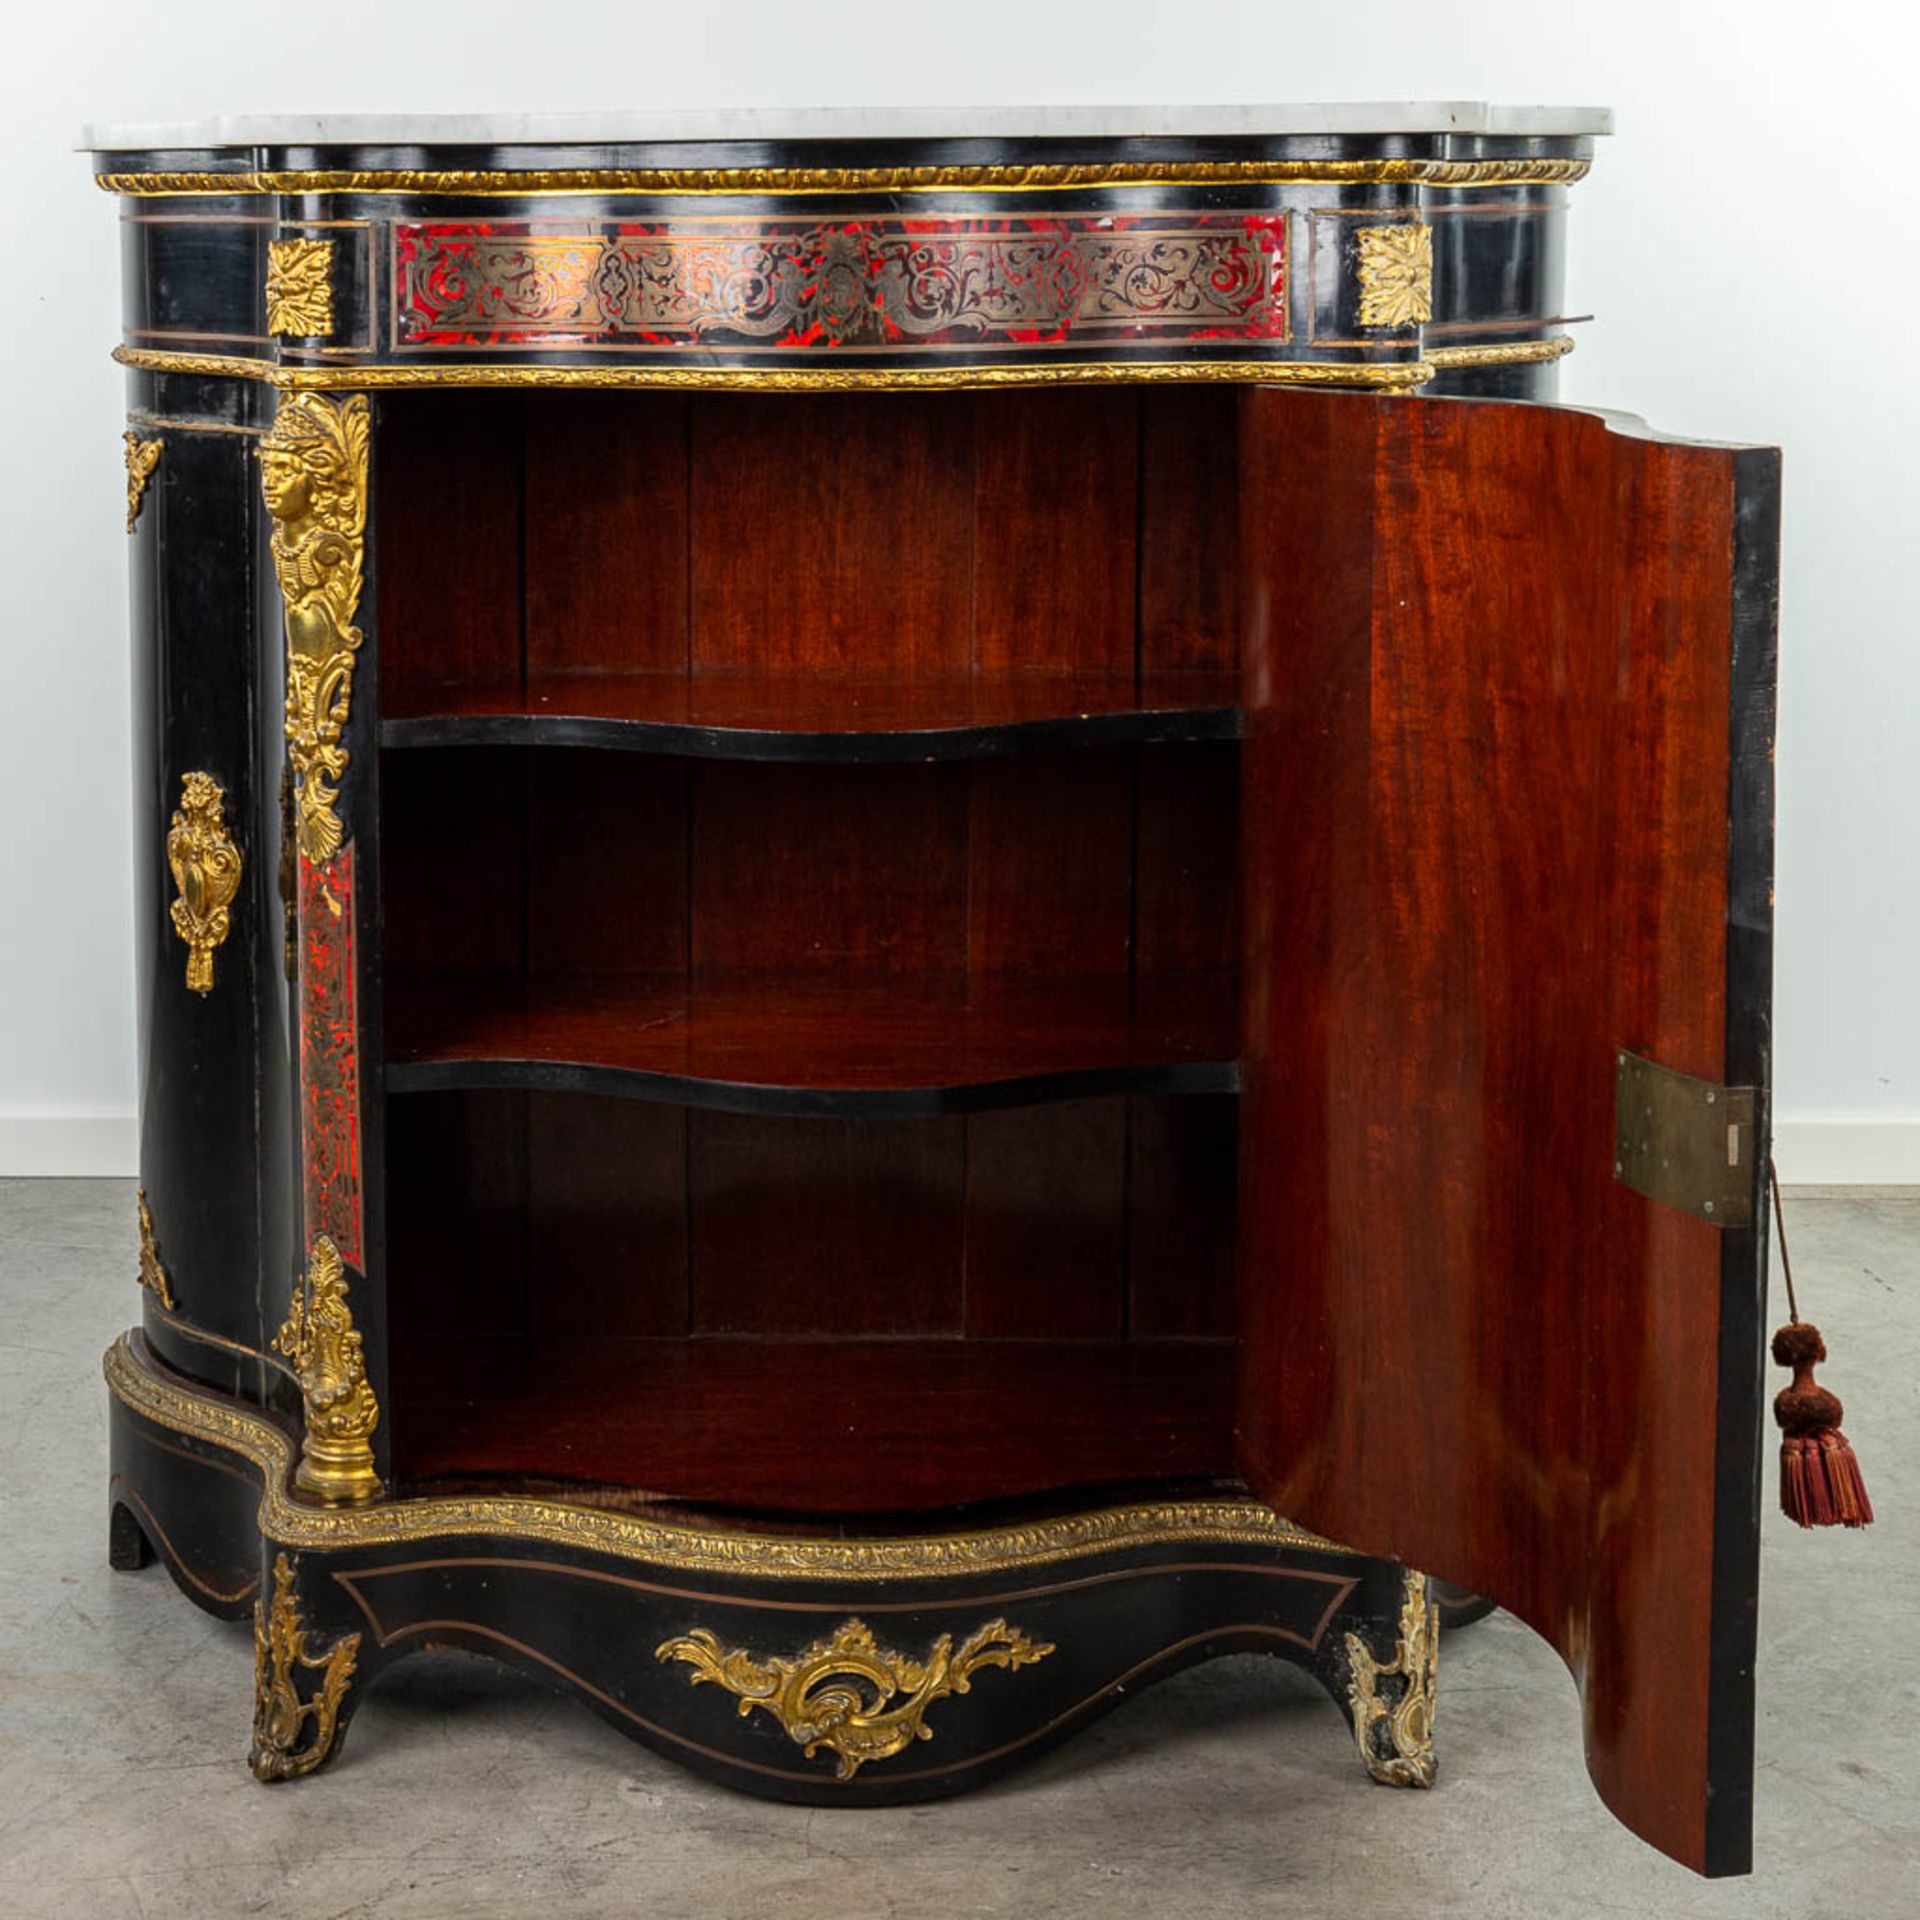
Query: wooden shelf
{"x": 815, "y": 1426}
{"x": 800, "y": 1044}
{"x": 825, "y": 716}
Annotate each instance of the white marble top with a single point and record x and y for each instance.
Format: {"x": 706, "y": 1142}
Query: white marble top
{"x": 696, "y": 127}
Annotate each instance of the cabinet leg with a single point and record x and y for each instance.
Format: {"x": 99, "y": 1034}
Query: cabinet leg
{"x": 299, "y": 1692}
{"x": 1391, "y": 1701}
{"x": 128, "y": 1548}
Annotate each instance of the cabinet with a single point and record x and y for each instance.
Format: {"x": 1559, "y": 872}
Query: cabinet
{"x": 891, "y": 879}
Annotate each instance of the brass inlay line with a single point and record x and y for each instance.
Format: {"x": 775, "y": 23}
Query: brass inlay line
{"x": 1339, "y": 1586}
{"x": 208, "y": 1462}
{"x": 188, "y": 1331}
{"x": 293, "y": 1523}
{"x": 699, "y": 182}
{"x": 1495, "y": 209}
{"x": 176, "y": 1558}
{"x": 190, "y": 423}
{"x": 1517, "y": 353}
{"x": 1390, "y": 376}
{"x": 840, "y": 1693}
{"x": 1435, "y": 331}
{"x": 199, "y": 219}
{"x": 195, "y": 333}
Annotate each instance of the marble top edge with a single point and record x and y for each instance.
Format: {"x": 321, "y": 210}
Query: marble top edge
{"x": 763, "y": 124}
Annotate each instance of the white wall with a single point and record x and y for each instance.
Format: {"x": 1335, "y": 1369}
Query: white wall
{"x": 1744, "y": 240}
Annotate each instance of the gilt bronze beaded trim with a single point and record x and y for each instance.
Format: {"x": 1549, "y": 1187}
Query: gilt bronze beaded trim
{"x": 1390, "y": 376}
{"x": 296, "y": 1524}
{"x": 1525, "y": 171}
{"x": 1499, "y": 353}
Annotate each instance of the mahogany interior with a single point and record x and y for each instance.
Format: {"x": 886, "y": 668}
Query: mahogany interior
{"x": 871, "y": 1308}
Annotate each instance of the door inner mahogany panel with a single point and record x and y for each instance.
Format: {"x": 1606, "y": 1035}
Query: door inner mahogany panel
{"x": 1506, "y": 666}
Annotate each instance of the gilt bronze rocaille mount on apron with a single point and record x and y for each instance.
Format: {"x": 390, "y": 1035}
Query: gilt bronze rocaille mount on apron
{"x": 879, "y": 893}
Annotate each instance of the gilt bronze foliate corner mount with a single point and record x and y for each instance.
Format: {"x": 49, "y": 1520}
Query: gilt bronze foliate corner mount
{"x": 319, "y": 1338}
{"x": 142, "y": 456}
{"x": 292, "y": 1735}
{"x": 1393, "y": 1722}
{"x": 152, "y": 1275}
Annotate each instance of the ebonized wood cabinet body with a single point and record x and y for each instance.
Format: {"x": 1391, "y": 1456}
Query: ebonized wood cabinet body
{"x": 881, "y": 890}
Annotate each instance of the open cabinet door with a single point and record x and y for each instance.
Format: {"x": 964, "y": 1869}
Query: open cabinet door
{"x": 1508, "y": 816}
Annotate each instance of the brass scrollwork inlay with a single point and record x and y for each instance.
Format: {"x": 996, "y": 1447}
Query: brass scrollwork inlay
{"x": 1396, "y": 276}
{"x": 300, "y": 288}
{"x": 313, "y": 470}
{"x": 292, "y": 1735}
{"x": 319, "y": 1337}
{"x": 206, "y": 869}
{"x": 839, "y": 1693}
{"x": 153, "y": 1276}
{"x": 142, "y": 457}
{"x": 1394, "y": 1724}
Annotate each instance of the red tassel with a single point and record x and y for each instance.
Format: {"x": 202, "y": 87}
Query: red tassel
{"x": 1820, "y": 1479}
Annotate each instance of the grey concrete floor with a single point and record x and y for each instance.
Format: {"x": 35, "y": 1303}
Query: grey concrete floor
{"x": 1229, "y": 1791}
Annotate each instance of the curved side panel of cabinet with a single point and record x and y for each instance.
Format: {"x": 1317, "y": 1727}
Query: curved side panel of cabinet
{"x": 1499, "y": 287}
{"x": 188, "y": 1502}
{"x": 204, "y": 885}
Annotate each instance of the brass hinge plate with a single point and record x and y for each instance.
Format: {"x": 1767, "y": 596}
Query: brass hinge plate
{"x": 1689, "y": 1143}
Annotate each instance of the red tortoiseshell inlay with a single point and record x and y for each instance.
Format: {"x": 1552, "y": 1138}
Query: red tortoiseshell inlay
{"x": 330, "y": 1055}
{"x": 900, "y": 285}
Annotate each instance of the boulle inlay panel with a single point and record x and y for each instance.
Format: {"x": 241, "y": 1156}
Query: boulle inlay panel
{"x": 777, "y": 286}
